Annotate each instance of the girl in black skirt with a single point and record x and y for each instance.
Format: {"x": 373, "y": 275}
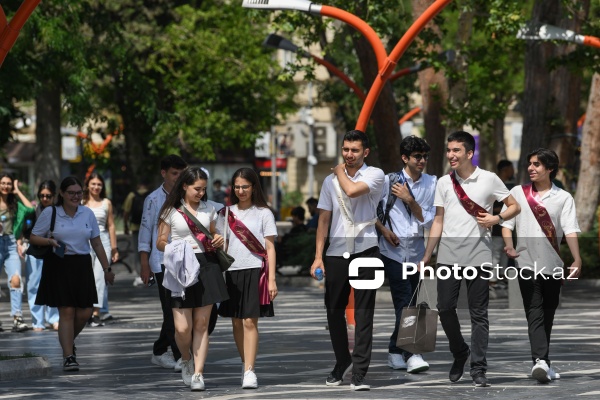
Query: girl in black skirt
{"x": 191, "y": 311}
{"x": 68, "y": 280}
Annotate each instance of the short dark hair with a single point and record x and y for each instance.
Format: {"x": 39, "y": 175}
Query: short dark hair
{"x": 413, "y": 143}
{"x": 312, "y": 200}
{"x": 463, "y": 137}
{"x": 356, "y": 135}
{"x": 298, "y": 212}
{"x": 503, "y": 164}
{"x": 217, "y": 182}
{"x": 172, "y": 161}
{"x": 548, "y": 158}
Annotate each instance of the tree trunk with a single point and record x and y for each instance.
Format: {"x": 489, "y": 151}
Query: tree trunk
{"x": 47, "y": 132}
{"x": 385, "y": 114}
{"x": 498, "y": 134}
{"x": 566, "y": 91}
{"x": 588, "y": 185}
{"x": 434, "y": 93}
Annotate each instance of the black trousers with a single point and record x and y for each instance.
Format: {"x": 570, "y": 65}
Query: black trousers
{"x": 167, "y": 331}
{"x": 337, "y": 293}
{"x": 478, "y": 298}
{"x": 540, "y": 300}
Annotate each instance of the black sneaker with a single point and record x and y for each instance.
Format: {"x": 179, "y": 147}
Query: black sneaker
{"x": 19, "y": 325}
{"x": 358, "y": 383}
{"x": 94, "y": 321}
{"x": 480, "y": 380}
{"x": 336, "y": 376}
{"x": 458, "y": 367}
{"x": 70, "y": 364}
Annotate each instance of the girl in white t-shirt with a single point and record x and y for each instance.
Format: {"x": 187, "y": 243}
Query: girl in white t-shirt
{"x": 251, "y": 278}
{"x": 192, "y": 312}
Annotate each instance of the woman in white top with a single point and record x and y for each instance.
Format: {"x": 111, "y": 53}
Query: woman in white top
{"x": 68, "y": 282}
{"x": 191, "y": 312}
{"x": 251, "y": 278}
{"x": 94, "y": 197}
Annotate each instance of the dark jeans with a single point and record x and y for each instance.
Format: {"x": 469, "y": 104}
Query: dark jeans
{"x": 337, "y": 293}
{"x": 402, "y": 290}
{"x": 540, "y": 300}
{"x": 478, "y": 298}
{"x": 167, "y": 331}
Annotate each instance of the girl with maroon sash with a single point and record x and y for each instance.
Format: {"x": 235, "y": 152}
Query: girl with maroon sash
{"x": 191, "y": 312}
{"x": 251, "y": 233}
{"x": 548, "y": 213}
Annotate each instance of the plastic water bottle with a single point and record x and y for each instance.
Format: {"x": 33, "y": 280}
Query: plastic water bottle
{"x": 28, "y": 224}
{"x": 2, "y": 220}
{"x": 319, "y": 274}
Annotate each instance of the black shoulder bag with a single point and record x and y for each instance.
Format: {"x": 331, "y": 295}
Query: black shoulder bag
{"x": 40, "y": 252}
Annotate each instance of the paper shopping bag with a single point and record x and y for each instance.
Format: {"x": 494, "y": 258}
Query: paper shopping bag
{"x": 418, "y": 329}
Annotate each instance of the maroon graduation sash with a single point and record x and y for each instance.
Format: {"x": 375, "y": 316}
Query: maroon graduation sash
{"x": 251, "y": 242}
{"x": 208, "y": 247}
{"x": 469, "y": 205}
{"x": 541, "y": 215}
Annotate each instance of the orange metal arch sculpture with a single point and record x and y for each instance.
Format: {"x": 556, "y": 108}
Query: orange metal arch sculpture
{"x": 9, "y": 31}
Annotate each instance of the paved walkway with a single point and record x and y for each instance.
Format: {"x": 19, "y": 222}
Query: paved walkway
{"x": 295, "y": 354}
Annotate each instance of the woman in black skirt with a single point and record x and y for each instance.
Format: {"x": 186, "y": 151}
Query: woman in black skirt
{"x": 192, "y": 307}
{"x": 251, "y": 233}
{"x": 67, "y": 277}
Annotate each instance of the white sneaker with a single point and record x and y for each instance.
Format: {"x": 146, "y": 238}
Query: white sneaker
{"x": 250, "y": 381}
{"x": 187, "y": 371}
{"x": 396, "y": 361}
{"x": 177, "y": 366}
{"x": 540, "y": 371}
{"x": 138, "y": 281}
{"x": 197, "y": 383}
{"x": 416, "y": 364}
{"x": 553, "y": 374}
{"x": 165, "y": 360}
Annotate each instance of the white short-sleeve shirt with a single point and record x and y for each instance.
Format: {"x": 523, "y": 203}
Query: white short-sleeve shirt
{"x": 180, "y": 229}
{"x": 363, "y": 207}
{"x": 463, "y": 241}
{"x": 534, "y": 248}
{"x": 261, "y": 222}
{"x": 76, "y": 232}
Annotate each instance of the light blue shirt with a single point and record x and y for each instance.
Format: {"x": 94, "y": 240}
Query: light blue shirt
{"x": 149, "y": 228}
{"x": 406, "y": 226}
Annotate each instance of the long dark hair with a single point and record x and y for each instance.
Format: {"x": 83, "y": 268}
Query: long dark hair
{"x": 86, "y": 189}
{"x": 11, "y": 199}
{"x": 68, "y": 181}
{"x": 187, "y": 177}
{"x": 48, "y": 185}
{"x": 258, "y": 197}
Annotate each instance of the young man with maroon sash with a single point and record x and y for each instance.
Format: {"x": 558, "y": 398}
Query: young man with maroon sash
{"x": 464, "y": 200}
{"x": 548, "y": 213}
{"x": 348, "y": 200}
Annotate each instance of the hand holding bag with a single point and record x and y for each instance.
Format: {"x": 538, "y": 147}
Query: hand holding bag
{"x": 418, "y": 327}
{"x": 225, "y": 260}
{"x": 40, "y": 252}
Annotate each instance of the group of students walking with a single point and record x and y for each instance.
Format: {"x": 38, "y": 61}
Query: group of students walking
{"x": 457, "y": 208}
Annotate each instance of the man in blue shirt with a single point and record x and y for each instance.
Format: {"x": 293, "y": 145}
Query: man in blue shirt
{"x": 402, "y": 237}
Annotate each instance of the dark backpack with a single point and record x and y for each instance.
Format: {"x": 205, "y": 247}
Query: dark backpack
{"x": 137, "y": 207}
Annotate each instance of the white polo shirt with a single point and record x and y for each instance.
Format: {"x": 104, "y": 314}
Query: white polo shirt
{"x": 463, "y": 241}
{"x": 363, "y": 207}
{"x": 75, "y": 232}
{"x": 534, "y": 248}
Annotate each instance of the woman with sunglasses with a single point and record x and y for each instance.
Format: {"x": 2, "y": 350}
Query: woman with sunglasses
{"x": 39, "y": 314}
{"x": 94, "y": 197}
{"x": 67, "y": 276}
{"x": 14, "y": 208}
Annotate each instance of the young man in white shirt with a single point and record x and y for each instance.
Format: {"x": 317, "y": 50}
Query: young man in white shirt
{"x": 547, "y": 214}
{"x": 348, "y": 200}
{"x": 402, "y": 238}
{"x": 151, "y": 261}
{"x": 464, "y": 200}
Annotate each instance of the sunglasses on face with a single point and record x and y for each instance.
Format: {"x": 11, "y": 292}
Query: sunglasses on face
{"x": 420, "y": 157}
{"x": 46, "y": 196}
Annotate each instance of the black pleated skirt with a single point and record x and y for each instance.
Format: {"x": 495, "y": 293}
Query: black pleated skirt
{"x": 244, "y": 302}
{"x": 209, "y": 289}
{"x": 67, "y": 282}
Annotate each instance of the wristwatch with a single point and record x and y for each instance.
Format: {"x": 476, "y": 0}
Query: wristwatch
{"x": 500, "y": 219}
{"x": 109, "y": 269}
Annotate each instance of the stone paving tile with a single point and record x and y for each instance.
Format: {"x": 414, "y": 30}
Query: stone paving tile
{"x": 295, "y": 355}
